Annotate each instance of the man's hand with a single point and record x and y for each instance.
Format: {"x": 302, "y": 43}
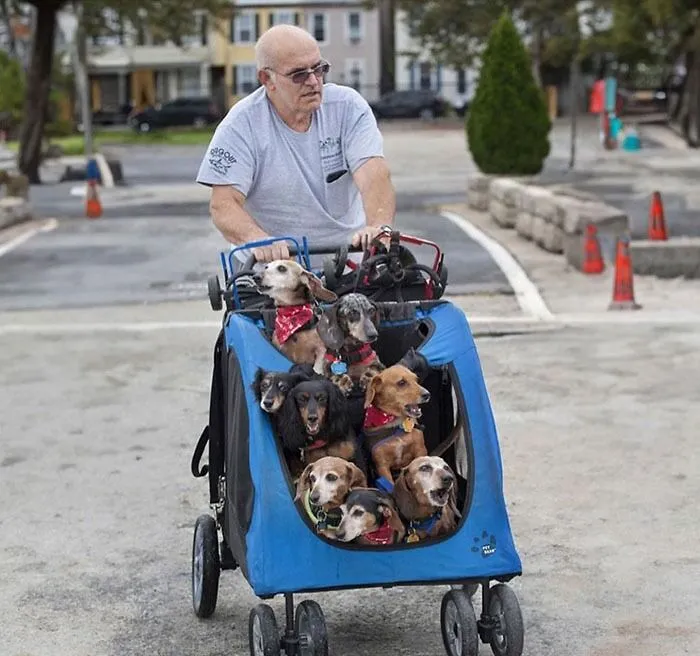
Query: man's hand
{"x": 278, "y": 250}
{"x": 365, "y": 236}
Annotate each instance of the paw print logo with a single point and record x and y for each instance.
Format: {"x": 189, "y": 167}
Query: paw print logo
{"x": 485, "y": 543}
{"x": 220, "y": 160}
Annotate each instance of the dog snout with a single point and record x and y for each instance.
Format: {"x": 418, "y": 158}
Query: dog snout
{"x": 446, "y": 479}
{"x": 314, "y": 496}
{"x": 267, "y": 404}
{"x": 370, "y": 331}
{"x": 258, "y": 277}
{"x": 424, "y": 395}
{"x": 340, "y": 535}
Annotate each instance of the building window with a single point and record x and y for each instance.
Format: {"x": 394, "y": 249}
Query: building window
{"x": 246, "y": 79}
{"x": 461, "y": 81}
{"x": 282, "y": 18}
{"x": 426, "y": 69}
{"x": 244, "y": 28}
{"x": 318, "y": 27}
{"x": 354, "y": 26}
{"x": 354, "y": 73}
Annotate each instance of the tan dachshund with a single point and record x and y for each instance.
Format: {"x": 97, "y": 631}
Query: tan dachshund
{"x": 370, "y": 517}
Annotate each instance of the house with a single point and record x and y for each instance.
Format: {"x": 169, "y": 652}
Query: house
{"x": 348, "y": 35}
{"x": 416, "y": 69}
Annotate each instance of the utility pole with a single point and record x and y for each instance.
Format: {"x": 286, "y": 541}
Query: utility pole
{"x": 81, "y": 71}
{"x": 575, "y": 83}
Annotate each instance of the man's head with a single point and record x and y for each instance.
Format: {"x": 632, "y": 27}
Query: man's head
{"x": 281, "y": 52}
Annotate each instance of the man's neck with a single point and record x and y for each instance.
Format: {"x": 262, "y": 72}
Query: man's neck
{"x": 297, "y": 121}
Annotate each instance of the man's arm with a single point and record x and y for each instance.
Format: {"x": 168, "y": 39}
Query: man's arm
{"x": 237, "y": 226}
{"x": 373, "y": 179}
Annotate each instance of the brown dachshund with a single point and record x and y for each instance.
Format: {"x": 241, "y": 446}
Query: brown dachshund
{"x": 322, "y": 489}
{"x": 392, "y": 407}
{"x": 426, "y": 498}
{"x": 370, "y": 517}
{"x": 294, "y": 290}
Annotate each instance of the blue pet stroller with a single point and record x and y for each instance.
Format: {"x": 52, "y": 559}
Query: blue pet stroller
{"x": 260, "y": 530}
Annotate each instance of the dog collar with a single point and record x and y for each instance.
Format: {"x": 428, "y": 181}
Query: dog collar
{"x": 426, "y": 525}
{"x": 291, "y": 318}
{"x": 322, "y": 520}
{"x": 376, "y": 418}
{"x": 314, "y": 445}
{"x": 383, "y": 535}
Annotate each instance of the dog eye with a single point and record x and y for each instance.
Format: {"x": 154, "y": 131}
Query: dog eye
{"x": 331, "y": 477}
{"x": 312, "y": 478}
{"x": 304, "y": 398}
{"x": 283, "y": 387}
{"x": 321, "y": 398}
{"x": 357, "y": 512}
{"x": 281, "y": 268}
{"x": 425, "y": 468}
{"x": 402, "y": 383}
{"x": 265, "y": 384}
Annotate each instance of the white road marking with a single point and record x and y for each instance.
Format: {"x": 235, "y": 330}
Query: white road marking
{"x": 526, "y": 292}
{"x": 50, "y": 224}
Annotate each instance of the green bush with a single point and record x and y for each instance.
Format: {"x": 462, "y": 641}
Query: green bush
{"x": 508, "y": 124}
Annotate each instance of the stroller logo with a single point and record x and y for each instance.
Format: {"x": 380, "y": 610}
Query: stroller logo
{"x": 220, "y": 160}
{"x": 486, "y": 544}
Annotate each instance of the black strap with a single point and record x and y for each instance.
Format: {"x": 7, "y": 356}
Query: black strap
{"x": 198, "y": 453}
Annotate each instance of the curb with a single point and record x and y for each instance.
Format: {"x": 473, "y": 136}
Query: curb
{"x": 14, "y": 211}
{"x": 677, "y": 257}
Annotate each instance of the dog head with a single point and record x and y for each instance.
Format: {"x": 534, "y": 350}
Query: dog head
{"x": 271, "y": 387}
{"x": 286, "y": 282}
{"x": 353, "y": 320}
{"x": 429, "y": 481}
{"x": 396, "y": 391}
{"x": 364, "y": 511}
{"x": 328, "y": 481}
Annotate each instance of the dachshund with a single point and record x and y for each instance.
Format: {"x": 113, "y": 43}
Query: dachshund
{"x": 314, "y": 422}
{"x": 392, "y": 407}
{"x": 271, "y": 387}
{"x": 370, "y": 517}
{"x": 293, "y": 290}
{"x": 426, "y": 498}
{"x": 348, "y": 328}
{"x": 323, "y": 487}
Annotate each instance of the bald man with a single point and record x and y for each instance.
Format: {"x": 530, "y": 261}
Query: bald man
{"x": 297, "y": 157}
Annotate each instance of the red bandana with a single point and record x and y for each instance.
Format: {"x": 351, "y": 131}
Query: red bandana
{"x": 383, "y": 535}
{"x": 374, "y": 417}
{"x": 289, "y": 319}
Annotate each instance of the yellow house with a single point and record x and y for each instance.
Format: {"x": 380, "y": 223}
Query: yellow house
{"x": 233, "y": 42}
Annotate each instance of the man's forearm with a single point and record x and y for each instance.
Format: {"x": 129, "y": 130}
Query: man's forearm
{"x": 378, "y": 195}
{"x": 232, "y": 220}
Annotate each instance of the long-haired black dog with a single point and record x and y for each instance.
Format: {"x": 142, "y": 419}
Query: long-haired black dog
{"x": 314, "y": 422}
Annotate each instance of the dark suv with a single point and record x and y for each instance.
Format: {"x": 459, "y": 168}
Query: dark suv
{"x": 183, "y": 111}
{"x": 410, "y": 104}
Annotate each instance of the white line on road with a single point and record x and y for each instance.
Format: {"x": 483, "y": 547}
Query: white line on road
{"x": 526, "y": 292}
{"x": 50, "y": 224}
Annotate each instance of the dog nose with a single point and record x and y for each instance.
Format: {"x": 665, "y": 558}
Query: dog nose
{"x": 257, "y": 278}
{"x": 267, "y": 404}
{"x": 447, "y": 480}
{"x": 340, "y": 535}
{"x": 313, "y": 418}
{"x": 314, "y": 496}
{"x": 424, "y": 395}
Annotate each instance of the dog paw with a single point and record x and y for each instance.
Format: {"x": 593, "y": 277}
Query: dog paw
{"x": 365, "y": 379}
{"x": 344, "y": 383}
{"x": 486, "y": 544}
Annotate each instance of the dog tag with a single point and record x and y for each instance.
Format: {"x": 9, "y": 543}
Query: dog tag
{"x": 412, "y": 537}
{"x": 408, "y": 425}
{"x": 339, "y": 367}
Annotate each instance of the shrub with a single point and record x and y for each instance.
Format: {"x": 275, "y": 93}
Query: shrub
{"x": 508, "y": 124}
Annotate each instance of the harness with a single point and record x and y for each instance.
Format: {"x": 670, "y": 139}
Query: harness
{"x": 342, "y": 358}
{"x": 290, "y": 319}
{"x": 427, "y": 524}
{"x": 322, "y": 520}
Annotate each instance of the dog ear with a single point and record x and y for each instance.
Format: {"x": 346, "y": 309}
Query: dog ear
{"x": 453, "y": 492}
{"x": 316, "y": 287}
{"x": 371, "y": 392}
{"x": 328, "y": 329}
{"x": 303, "y": 482}
{"x": 356, "y": 476}
{"x": 338, "y": 417}
{"x": 259, "y": 375}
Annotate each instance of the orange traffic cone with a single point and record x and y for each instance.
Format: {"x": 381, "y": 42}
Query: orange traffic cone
{"x": 592, "y": 258}
{"x": 623, "y": 289}
{"x": 657, "y": 221}
{"x": 93, "y": 207}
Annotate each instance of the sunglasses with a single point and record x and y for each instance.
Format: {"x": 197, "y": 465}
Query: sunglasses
{"x": 299, "y": 77}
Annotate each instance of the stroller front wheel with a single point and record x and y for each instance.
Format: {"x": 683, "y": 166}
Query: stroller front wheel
{"x": 460, "y": 634}
{"x": 310, "y": 627}
{"x": 263, "y": 634}
{"x": 508, "y": 636}
{"x": 205, "y": 566}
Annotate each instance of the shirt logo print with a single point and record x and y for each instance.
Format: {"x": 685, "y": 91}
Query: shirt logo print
{"x": 220, "y": 160}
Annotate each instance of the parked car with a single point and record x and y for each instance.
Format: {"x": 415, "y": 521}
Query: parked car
{"x": 177, "y": 113}
{"x": 410, "y": 104}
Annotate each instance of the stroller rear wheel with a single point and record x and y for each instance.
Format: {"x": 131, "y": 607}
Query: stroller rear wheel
{"x": 310, "y": 627}
{"x": 507, "y": 637}
{"x": 205, "y": 566}
{"x": 263, "y": 634}
{"x": 458, "y": 622}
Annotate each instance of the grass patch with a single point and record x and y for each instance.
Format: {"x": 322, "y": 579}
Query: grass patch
{"x": 74, "y": 144}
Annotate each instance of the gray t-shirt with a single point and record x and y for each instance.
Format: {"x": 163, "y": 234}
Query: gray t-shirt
{"x": 285, "y": 174}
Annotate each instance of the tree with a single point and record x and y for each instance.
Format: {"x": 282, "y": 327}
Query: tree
{"x": 170, "y": 19}
{"x": 508, "y": 125}
{"x": 12, "y": 85}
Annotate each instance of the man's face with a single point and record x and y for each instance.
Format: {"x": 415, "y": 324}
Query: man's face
{"x": 292, "y": 85}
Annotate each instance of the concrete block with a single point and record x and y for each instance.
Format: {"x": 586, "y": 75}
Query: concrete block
{"x": 539, "y": 201}
{"x": 675, "y": 258}
{"x": 14, "y": 210}
{"x": 579, "y": 213}
{"x": 503, "y": 215}
{"x": 507, "y": 191}
{"x": 524, "y": 223}
{"x": 547, "y": 235}
{"x": 479, "y": 182}
{"x": 478, "y": 200}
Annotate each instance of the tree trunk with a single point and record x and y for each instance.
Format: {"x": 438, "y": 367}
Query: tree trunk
{"x": 387, "y": 47}
{"x": 36, "y": 103}
{"x": 6, "y": 18}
